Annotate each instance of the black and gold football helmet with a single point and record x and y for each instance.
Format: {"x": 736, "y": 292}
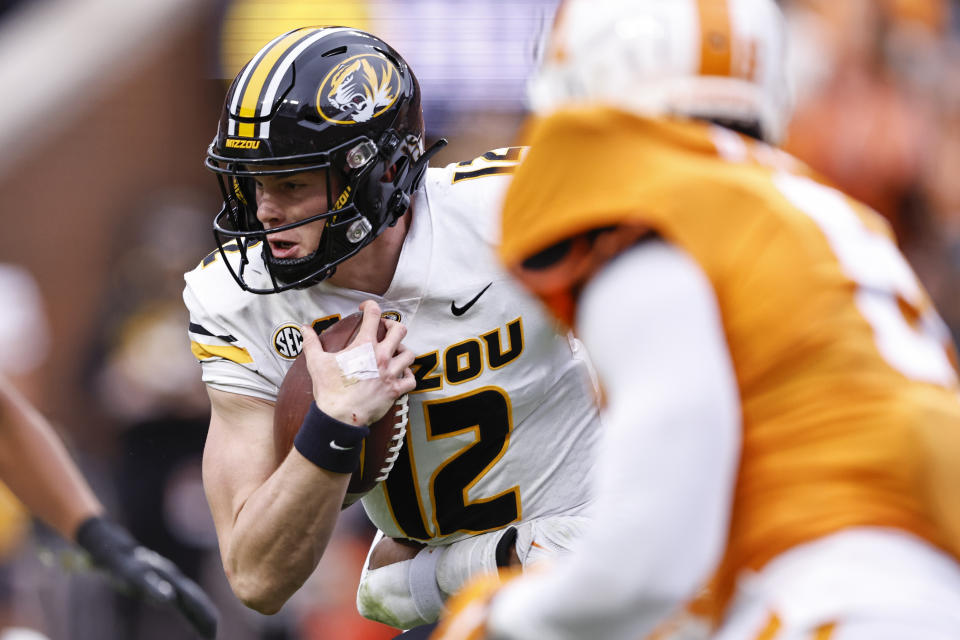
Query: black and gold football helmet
{"x": 329, "y": 98}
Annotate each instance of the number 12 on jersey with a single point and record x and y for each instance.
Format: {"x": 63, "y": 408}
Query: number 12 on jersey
{"x": 485, "y": 413}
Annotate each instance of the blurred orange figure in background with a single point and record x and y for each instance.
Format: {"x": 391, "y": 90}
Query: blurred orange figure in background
{"x": 871, "y": 122}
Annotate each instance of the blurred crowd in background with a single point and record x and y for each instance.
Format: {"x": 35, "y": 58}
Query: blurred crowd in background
{"x": 108, "y": 108}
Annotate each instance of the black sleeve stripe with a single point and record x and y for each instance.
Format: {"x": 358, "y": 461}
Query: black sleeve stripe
{"x": 479, "y": 173}
{"x": 195, "y": 328}
{"x": 512, "y": 155}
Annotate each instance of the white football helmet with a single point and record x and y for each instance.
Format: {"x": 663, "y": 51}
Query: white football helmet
{"x": 714, "y": 59}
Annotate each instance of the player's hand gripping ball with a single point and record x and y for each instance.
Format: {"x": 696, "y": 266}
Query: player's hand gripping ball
{"x": 380, "y": 449}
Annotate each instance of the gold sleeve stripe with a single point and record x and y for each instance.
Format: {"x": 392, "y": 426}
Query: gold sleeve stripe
{"x": 716, "y": 38}
{"x": 208, "y": 351}
{"x": 258, "y": 78}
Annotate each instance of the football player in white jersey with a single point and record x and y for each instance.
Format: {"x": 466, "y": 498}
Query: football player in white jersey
{"x": 319, "y": 154}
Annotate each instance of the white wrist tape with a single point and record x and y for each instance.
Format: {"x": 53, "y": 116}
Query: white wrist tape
{"x": 384, "y": 596}
{"x": 464, "y": 559}
{"x": 358, "y": 363}
{"x": 427, "y": 598}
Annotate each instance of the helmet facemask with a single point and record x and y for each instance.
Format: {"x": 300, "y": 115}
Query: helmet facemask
{"x": 236, "y": 227}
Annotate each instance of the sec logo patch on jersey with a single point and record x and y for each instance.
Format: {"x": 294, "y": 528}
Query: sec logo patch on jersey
{"x": 288, "y": 341}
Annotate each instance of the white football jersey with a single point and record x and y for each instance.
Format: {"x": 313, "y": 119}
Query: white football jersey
{"x": 503, "y": 420}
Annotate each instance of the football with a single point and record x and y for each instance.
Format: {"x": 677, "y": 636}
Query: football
{"x": 379, "y": 450}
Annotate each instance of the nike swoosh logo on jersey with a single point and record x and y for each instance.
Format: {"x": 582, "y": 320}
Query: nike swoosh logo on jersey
{"x": 334, "y": 445}
{"x": 459, "y": 311}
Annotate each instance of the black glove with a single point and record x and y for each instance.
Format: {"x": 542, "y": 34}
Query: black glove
{"x": 145, "y": 573}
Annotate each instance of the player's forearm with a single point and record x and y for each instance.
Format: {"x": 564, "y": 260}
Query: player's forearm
{"x": 281, "y": 532}
{"x": 37, "y": 468}
{"x": 669, "y": 455}
{"x": 273, "y": 521}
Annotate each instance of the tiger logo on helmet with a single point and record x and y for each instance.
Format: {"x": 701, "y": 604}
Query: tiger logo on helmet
{"x": 358, "y": 90}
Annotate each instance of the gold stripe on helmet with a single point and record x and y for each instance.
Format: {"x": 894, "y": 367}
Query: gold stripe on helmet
{"x": 716, "y": 38}
{"x": 259, "y": 76}
{"x": 557, "y": 51}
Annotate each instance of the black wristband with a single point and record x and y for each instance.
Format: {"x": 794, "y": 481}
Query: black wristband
{"x": 329, "y": 443}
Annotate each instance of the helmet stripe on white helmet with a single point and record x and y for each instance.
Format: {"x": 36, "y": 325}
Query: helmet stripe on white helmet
{"x": 711, "y": 59}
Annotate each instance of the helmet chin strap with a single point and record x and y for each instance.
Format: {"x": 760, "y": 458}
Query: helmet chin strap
{"x": 420, "y": 166}
{"x": 400, "y": 200}
{"x": 289, "y": 270}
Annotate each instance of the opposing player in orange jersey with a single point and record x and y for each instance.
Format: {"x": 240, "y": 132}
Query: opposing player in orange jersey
{"x": 784, "y": 422}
